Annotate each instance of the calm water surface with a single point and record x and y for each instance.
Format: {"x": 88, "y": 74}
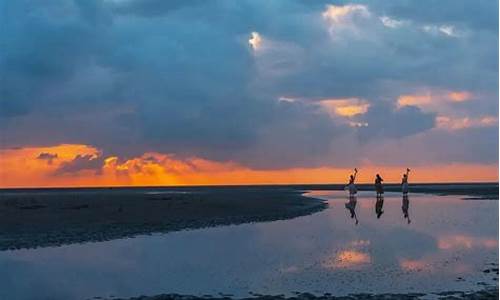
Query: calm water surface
{"x": 445, "y": 246}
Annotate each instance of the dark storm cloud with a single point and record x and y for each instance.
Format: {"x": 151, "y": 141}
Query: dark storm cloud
{"x": 468, "y": 145}
{"x": 179, "y": 77}
{"x": 385, "y": 120}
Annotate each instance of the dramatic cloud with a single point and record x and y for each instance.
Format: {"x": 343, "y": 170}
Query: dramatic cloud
{"x": 79, "y": 165}
{"x": 49, "y": 157}
{"x": 81, "y": 162}
{"x": 265, "y": 86}
{"x": 345, "y": 107}
{"x": 386, "y": 120}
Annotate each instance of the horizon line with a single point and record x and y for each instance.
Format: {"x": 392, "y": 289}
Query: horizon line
{"x": 233, "y": 185}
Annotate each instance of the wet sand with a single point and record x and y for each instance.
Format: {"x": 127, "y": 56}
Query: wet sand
{"x": 41, "y": 218}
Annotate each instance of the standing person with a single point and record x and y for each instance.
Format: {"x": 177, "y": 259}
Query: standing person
{"x": 351, "y": 186}
{"x": 404, "y": 182}
{"x": 378, "y": 186}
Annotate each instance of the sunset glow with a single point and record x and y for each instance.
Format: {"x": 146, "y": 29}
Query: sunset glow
{"x": 434, "y": 98}
{"x": 81, "y": 165}
{"x": 345, "y": 107}
{"x": 298, "y": 92}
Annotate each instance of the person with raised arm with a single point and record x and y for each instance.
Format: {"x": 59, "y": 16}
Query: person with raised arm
{"x": 352, "y": 186}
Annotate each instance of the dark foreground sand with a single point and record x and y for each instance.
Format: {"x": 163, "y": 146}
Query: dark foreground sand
{"x": 39, "y": 218}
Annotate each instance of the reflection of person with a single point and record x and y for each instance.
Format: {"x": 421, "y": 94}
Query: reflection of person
{"x": 351, "y": 206}
{"x": 404, "y": 182}
{"x": 351, "y": 186}
{"x": 379, "y": 205}
{"x": 378, "y": 185}
{"x": 405, "y": 207}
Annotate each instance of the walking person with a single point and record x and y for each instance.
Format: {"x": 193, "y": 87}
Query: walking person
{"x": 378, "y": 186}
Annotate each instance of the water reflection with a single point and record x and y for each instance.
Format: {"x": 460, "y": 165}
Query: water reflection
{"x": 379, "y": 205}
{"x": 319, "y": 253}
{"x": 351, "y": 207}
{"x": 405, "y": 207}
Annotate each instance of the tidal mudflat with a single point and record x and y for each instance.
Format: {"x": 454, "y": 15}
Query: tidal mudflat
{"x": 55, "y": 217}
{"x": 445, "y": 247}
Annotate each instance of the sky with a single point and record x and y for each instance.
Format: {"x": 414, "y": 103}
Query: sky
{"x": 153, "y": 92}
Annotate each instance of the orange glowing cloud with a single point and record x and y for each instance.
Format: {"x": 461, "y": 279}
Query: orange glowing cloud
{"x": 338, "y": 14}
{"x": 414, "y": 100}
{"x": 30, "y": 167}
{"x": 451, "y": 123}
{"x": 459, "y": 96}
{"x": 27, "y": 167}
{"x": 255, "y": 40}
{"x": 434, "y": 99}
{"x": 348, "y": 107}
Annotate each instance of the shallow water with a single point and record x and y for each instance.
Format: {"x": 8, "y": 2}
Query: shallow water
{"x": 447, "y": 239}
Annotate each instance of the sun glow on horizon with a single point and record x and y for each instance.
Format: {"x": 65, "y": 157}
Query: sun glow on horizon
{"x": 83, "y": 165}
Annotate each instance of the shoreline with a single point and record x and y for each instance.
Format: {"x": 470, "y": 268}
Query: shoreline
{"x": 480, "y": 190}
{"x": 487, "y": 293}
{"x": 56, "y": 217}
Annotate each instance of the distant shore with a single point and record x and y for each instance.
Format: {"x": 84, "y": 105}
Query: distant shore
{"x": 487, "y": 293}
{"x": 483, "y": 190}
{"x": 31, "y": 218}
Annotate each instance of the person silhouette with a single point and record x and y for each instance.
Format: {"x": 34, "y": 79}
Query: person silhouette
{"x": 351, "y": 186}
{"x": 405, "y": 207}
{"x": 378, "y": 186}
{"x": 379, "y": 205}
{"x": 351, "y": 207}
{"x": 404, "y": 182}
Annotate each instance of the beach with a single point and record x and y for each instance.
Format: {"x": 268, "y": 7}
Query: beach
{"x": 248, "y": 242}
{"x": 41, "y": 218}
{"x": 31, "y": 218}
